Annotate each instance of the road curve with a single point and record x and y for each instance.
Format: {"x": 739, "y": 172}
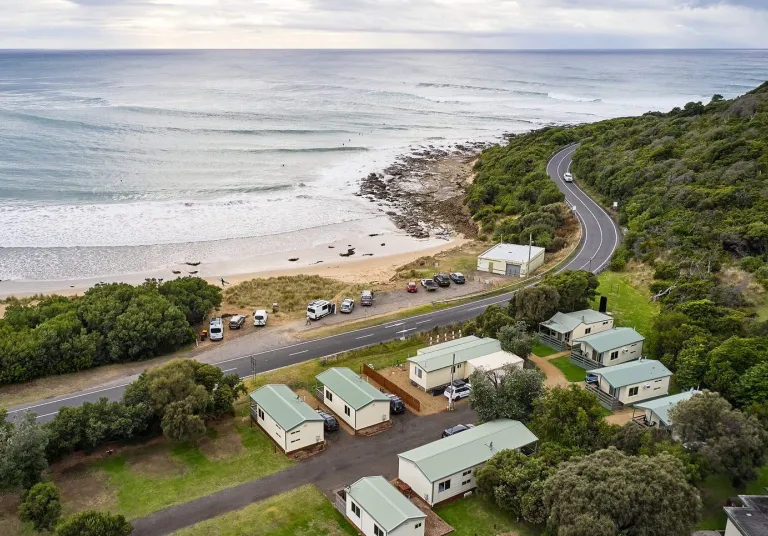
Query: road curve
{"x": 600, "y": 238}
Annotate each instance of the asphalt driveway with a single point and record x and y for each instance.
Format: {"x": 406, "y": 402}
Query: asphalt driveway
{"x": 346, "y": 460}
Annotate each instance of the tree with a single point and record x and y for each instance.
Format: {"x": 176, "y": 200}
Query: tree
{"x": 492, "y": 320}
{"x": 515, "y": 340}
{"x": 515, "y": 482}
{"x": 730, "y": 360}
{"x": 22, "y": 452}
{"x": 193, "y": 295}
{"x": 571, "y": 417}
{"x": 174, "y": 382}
{"x": 576, "y": 289}
{"x": 180, "y": 422}
{"x": 41, "y": 506}
{"x": 94, "y": 523}
{"x": 753, "y": 385}
{"x": 505, "y": 394}
{"x": 534, "y": 305}
{"x": 728, "y": 440}
{"x": 628, "y": 495}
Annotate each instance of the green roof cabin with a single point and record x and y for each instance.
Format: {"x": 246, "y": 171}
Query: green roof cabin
{"x": 629, "y": 383}
{"x": 352, "y": 399}
{"x": 446, "y": 468}
{"x": 656, "y": 412}
{"x": 607, "y": 348}
{"x": 376, "y": 508}
{"x": 560, "y": 330}
{"x": 286, "y": 418}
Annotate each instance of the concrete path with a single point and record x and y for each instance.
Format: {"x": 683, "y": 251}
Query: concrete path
{"x": 346, "y": 460}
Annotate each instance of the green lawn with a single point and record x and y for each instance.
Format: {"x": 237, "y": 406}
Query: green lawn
{"x": 304, "y": 511}
{"x": 173, "y": 474}
{"x": 715, "y": 491}
{"x": 475, "y": 517}
{"x": 630, "y": 305}
{"x": 571, "y": 372}
{"x": 542, "y": 350}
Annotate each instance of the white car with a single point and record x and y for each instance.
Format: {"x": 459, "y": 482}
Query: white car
{"x": 568, "y": 177}
{"x": 457, "y": 393}
{"x": 216, "y": 329}
{"x": 347, "y": 305}
{"x": 260, "y": 318}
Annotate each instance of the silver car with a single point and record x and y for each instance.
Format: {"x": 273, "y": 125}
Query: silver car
{"x": 347, "y": 305}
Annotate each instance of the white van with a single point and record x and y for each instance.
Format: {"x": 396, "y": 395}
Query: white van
{"x": 319, "y": 308}
{"x": 216, "y": 329}
{"x": 260, "y": 318}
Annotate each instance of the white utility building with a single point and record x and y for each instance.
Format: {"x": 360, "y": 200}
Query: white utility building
{"x": 511, "y": 259}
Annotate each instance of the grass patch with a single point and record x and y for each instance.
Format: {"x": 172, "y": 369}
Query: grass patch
{"x": 628, "y": 300}
{"x": 475, "y": 517}
{"x": 291, "y": 293}
{"x": 542, "y": 350}
{"x": 571, "y": 372}
{"x": 302, "y": 375}
{"x": 715, "y": 491}
{"x": 303, "y": 511}
{"x": 141, "y": 493}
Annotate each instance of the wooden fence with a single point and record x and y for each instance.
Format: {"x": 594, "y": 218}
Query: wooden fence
{"x": 392, "y": 387}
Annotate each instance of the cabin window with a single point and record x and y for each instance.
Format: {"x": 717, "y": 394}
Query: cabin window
{"x": 466, "y": 482}
{"x": 418, "y": 371}
{"x": 356, "y": 509}
{"x": 465, "y": 473}
{"x": 377, "y": 531}
{"x": 614, "y": 355}
{"x": 444, "y": 486}
{"x": 261, "y": 414}
{"x": 417, "y": 525}
{"x": 633, "y": 391}
{"x": 347, "y": 412}
{"x": 587, "y": 331}
{"x": 605, "y": 323}
{"x": 295, "y": 440}
{"x": 329, "y": 395}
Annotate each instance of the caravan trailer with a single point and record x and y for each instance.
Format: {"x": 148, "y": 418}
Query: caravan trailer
{"x": 320, "y": 308}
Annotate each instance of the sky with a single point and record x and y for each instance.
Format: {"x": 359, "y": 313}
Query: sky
{"x": 411, "y": 24}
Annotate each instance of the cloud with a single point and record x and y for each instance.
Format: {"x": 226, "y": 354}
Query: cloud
{"x": 383, "y": 23}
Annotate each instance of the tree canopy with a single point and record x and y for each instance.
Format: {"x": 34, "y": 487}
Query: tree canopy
{"x": 110, "y": 323}
{"x": 505, "y": 394}
{"x": 610, "y": 493}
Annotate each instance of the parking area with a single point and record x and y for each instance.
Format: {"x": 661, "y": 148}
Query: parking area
{"x": 429, "y": 404}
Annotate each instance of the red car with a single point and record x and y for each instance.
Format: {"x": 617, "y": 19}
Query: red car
{"x": 412, "y": 287}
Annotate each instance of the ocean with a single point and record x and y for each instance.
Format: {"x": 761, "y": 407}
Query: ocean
{"x": 122, "y": 162}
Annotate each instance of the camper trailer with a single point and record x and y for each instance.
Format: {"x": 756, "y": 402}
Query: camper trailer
{"x": 320, "y": 308}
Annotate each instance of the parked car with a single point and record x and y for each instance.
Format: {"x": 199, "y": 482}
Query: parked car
{"x": 216, "y": 329}
{"x": 320, "y": 308}
{"x": 592, "y": 378}
{"x": 457, "y": 277}
{"x": 568, "y": 177}
{"x": 347, "y": 305}
{"x": 442, "y": 280}
{"x": 329, "y": 421}
{"x": 428, "y": 284}
{"x": 453, "y": 430}
{"x": 453, "y": 392}
{"x": 236, "y": 322}
{"x": 412, "y": 287}
{"x": 396, "y": 404}
{"x": 366, "y": 297}
{"x": 260, "y": 318}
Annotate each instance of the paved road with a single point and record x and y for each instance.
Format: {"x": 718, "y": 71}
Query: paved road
{"x": 601, "y": 237}
{"x": 346, "y": 460}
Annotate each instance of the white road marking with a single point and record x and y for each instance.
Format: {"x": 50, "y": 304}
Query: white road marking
{"x": 297, "y": 353}
{"x": 229, "y": 370}
{"x": 68, "y": 398}
{"x": 365, "y": 336}
{"x": 405, "y": 330}
{"x": 478, "y": 307}
{"x": 394, "y": 325}
{"x": 424, "y": 321}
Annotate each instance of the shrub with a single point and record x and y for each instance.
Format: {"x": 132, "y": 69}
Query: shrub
{"x": 41, "y": 506}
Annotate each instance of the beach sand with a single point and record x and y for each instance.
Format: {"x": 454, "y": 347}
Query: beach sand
{"x": 375, "y": 260}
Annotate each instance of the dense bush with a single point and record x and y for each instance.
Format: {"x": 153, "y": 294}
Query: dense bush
{"x": 111, "y": 323}
{"x": 92, "y": 523}
{"x": 41, "y": 506}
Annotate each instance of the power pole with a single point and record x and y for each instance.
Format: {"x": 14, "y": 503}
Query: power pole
{"x": 528, "y": 268}
{"x": 451, "y": 389}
